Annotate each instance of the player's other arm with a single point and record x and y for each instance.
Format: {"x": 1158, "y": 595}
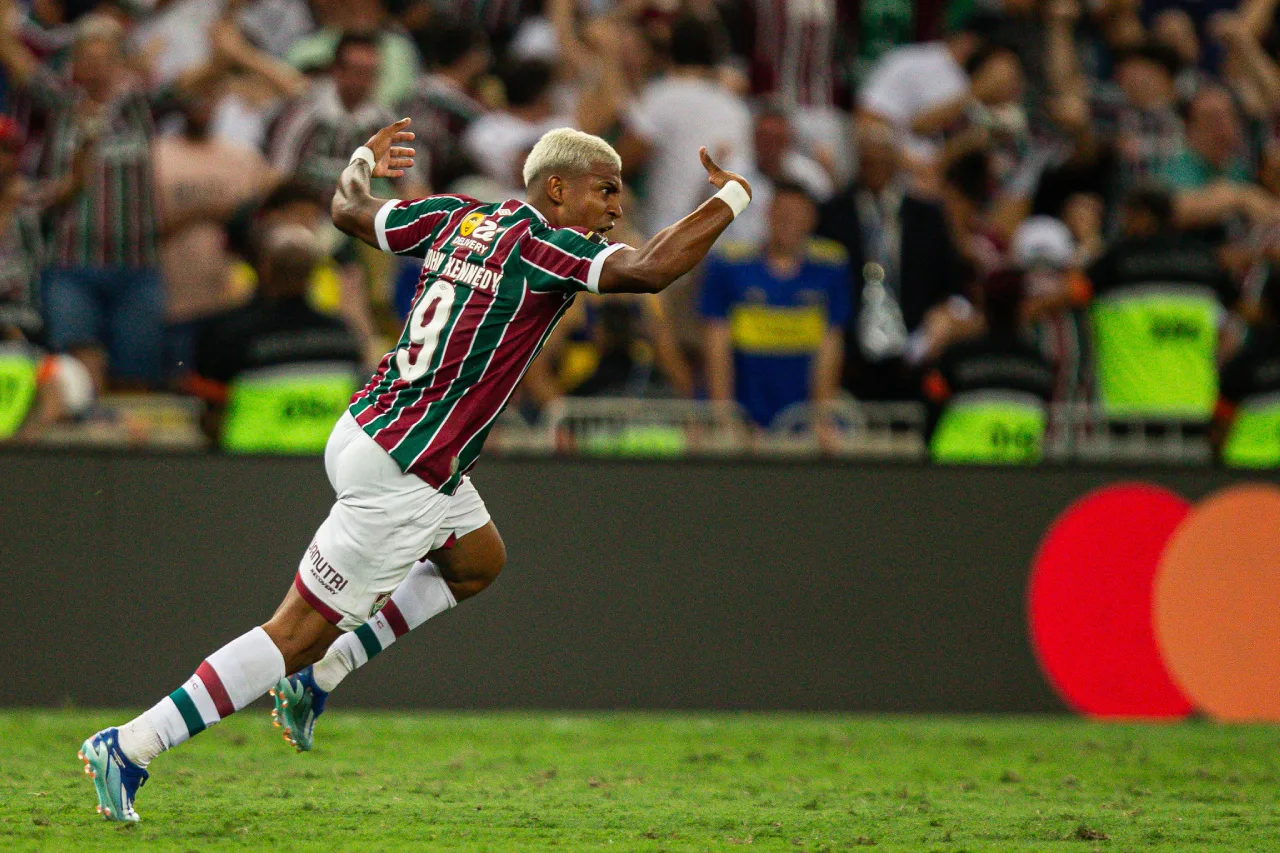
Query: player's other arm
{"x": 678, "y": 248}
{"x": 354, "y": 206}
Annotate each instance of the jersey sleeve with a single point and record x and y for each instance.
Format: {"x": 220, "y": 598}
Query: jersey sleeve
{"x": 564, "y": 259}
{"x": 406, "y": 227}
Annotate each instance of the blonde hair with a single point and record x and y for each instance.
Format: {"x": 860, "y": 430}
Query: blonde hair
{"x": 570, "y": 151}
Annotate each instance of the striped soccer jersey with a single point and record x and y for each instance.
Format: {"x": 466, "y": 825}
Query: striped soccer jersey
{"x": 495, "y": 280}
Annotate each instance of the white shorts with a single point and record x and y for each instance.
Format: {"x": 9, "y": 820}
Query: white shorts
{"x": 383, "y": 522}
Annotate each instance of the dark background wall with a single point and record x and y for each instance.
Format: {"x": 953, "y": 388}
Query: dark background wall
{"x": 647, "y": 584}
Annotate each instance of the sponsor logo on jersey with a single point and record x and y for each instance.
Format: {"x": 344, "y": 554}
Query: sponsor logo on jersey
{"x": 469, "y": 223}
{"x": 458, "y": 271}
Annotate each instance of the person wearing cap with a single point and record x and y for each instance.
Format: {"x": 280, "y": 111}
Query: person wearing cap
{"x": 989, "y": 396}
{"x": 276, "y": 373}
{"x": 1056, "y": 296}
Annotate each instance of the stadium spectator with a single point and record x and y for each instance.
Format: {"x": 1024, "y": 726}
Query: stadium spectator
{"x": 391, "y": 78}
{"x": 21, "y": 239}
{"x": 443, "y": 103}
{"x": 775, "y": 314}
{"x": 276, "y": 373}
{"x": 201, "y": 183}
{"x": 35, "y": 389}
{"x": 990, "y": 394}
{"x": 251, "y": 86}
{"x": 314, "y": 137}
{"x": 1138, "y": 113}
{"x": 104, "y": 299}
{"x": 1056, "y": 296}
{"x": 498, "y": 141}
{"x": 776, "y": 159}
{"x": 905, "y": 279}
{"x": 801, "y": 56}
{"x": 922, "y": 90}
{"x": 688, "y": 107}
{"x": 611, "y": 348}
{"x": 1160, "y": 298}
{"x": 1211, "y": 173}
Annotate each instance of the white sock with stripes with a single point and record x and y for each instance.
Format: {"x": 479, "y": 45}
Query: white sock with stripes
{"x": 419, "y": 596}
{"x": 229, "y": 679}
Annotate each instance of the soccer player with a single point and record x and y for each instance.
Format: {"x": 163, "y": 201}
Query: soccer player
{"x": 495, "y": 280}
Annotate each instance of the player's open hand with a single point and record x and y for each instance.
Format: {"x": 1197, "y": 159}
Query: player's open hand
{"x": 719, "y": 177}
{"x": 392, "y": 157}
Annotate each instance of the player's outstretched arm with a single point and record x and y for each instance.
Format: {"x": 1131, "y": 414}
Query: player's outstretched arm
{"x": 354, "y": 206}
{"x": 678, "y": 248}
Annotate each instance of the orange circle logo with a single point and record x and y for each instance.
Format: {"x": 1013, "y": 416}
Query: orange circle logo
{"x": 469, "y": 223}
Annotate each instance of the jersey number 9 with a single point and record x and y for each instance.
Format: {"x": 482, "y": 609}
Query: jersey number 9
{"x": 425, "y": 324}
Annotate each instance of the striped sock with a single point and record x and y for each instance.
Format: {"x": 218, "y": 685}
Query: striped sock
{"x": 421, "y": 595}
{"x": 225, "y": 682}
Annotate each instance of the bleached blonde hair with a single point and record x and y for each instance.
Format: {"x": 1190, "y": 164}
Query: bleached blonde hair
{"x": 568, "y": 151}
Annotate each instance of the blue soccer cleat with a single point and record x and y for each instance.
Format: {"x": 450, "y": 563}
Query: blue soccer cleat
{"x": 115, "y": 777}
{"x": 298, "y": 702}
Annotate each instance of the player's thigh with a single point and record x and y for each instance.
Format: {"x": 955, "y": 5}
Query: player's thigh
{"x": 382, "y": 522}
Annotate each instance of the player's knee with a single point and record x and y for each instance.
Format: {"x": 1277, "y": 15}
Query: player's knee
{"x": 475, "y": 576}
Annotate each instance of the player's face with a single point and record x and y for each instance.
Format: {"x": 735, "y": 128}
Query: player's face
{"x": 594, "y": 200}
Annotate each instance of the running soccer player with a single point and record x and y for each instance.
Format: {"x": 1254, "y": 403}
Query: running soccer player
{"x": 495, "y": 280}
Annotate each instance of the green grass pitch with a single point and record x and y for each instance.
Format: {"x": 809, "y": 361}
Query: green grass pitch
{"x": 649, "y": 782}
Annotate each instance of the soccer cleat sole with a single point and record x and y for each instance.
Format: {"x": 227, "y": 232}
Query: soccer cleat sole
{"x": 282, "y": 702}
{"x": 95, "y": 765}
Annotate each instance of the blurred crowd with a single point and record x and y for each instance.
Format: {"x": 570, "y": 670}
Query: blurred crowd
{"x": 989, "y": 206}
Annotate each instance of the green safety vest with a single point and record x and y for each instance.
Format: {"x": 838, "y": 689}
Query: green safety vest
{"x": 990, "y": 428}
{"x": 18, "y": 372}
{"x": 1155, "y": 347}
{"x": 1254, "y": 439}
{"x": 286, "y": 410}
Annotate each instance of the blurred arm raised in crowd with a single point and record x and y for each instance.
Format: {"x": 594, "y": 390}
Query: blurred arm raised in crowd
{"x": 230, "y": 45}
{"x": 1258, "y": 16}
{"x": 1257, "y": 73}
{"x": 20, "y": 64}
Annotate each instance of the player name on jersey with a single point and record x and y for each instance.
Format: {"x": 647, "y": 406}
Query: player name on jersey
{"x": 459, "y": 271}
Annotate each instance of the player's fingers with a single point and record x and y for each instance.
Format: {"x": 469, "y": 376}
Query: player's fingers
{"x": 404, "y": 136}
{"x": 401, "y": 163}
{"x": 401, "y": 152}
{"x": 707, "y": 162}
{"x": 395, "y": 173}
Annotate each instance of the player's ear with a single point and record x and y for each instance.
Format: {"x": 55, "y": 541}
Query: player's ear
{"x": 555, "y": 189}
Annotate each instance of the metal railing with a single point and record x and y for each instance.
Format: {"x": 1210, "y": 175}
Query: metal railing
{"x": 662, "y": 428}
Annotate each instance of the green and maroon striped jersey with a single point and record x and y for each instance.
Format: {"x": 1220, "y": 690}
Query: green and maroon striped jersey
{"x": 496, "y": 278}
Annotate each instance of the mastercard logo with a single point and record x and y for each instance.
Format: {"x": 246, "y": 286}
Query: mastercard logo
{"x": 1142, "y": 604}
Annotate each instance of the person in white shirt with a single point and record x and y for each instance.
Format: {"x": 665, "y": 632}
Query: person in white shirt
{"x": 674, "y": 115}
{"x": 920, "y": 90}
{"x": 498, "y": 141}
{"x": 777, "y": 159}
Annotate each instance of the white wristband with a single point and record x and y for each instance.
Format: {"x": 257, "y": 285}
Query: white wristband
{"x": 365, "y": 154}
{"x": 735, "y": 195}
